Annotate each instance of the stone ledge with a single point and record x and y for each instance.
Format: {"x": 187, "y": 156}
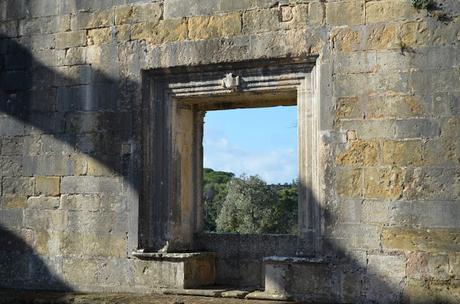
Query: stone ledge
{"x": 263, "y": 295}
{"x": 218, "y": 292}
{"x": 294, "y": 260}
{"x": 173, "y": 257}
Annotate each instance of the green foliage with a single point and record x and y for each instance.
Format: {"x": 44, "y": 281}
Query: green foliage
{"x": 253, "y": 207}
{"x": 214, "y": 193}
{"x": 423, "y": 4}
{"x": 287, "y": 208}
{"x": 247, "y": 207}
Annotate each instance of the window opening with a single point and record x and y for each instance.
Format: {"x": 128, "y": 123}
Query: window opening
{"x": 250, "y": 182}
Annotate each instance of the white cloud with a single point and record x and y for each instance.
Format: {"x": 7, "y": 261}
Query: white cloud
{"x": 274, "y": 166}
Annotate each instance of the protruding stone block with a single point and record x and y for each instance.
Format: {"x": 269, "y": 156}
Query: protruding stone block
{"x": 180, "y": 270}
{"x": 300, "y": 278}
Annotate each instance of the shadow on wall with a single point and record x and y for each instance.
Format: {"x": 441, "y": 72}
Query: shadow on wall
{"x": 54, "y": 125}
{"x": 85, "y": 112}
{"x": 22, "y": 267}
{"x": 58, "y": 122}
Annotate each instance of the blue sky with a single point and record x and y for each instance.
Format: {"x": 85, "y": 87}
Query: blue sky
{"x": 260, "y": 141}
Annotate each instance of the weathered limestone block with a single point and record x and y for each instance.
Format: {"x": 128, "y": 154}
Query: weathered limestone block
{"x": 70, "y": 39}
{"x": 435, "y": 214}
{"x": 375, "y": 211}
{"x": 414, "y": 33}
{"x": 13, "y": 201}
{"x": 138, "y": 13}
{"x": 78, "y": 270}
{"x": 370, "y": 129}
{"x": 105, "y": 221}
{"x": 9, "y": 29}
{"x": 402, "y": 153}
{"x": 349, "y": 183}
{"x": 90, "y": 184}
{"x": 391, "y": 10}
{"x": 176, "y": 9}
{"x": 382, "y": 37}
{"x": 46, "y": 25}
{"x": 176, "y": 270}
{"x": 266, "y": 20}
{"x": 41, "y": 8}
{"x": 395, "y": 105}
{"x": 11, "y": 166}
{"x": 359, "y": 153}
{"x": 48, "y": 186}
{"x": 454, "y": 265}
{"x": 74, "y": 75}
{"x": 450, "y": 129}
{"x": 423, "y": 292}
{"x": 430, "y": 240}
{"x": 89, "y": 20}
{"x": 347, "y": 39}
{"x": 345, "y": 13}
{"x": 300, "y": 278}
{"x": 205, "y": 27}
{"x": 353, "y": 236}
{"x": 432, "y": 183}
{"x": 387, "y": 266}
{"x": 100, "y": 36}
{"x": 50, "y": 58}
{"x": 48, "y": 165}
{"x": 75, "y": 56}
{"x": 12, "y": 219}
{"x": 316, "y": 13}
{"x": 383, "y": 183}
{"x": 17, "y": 185}
{"x": 94, "y": 245}
{"x": 160, "y": 32}
{"x": 89, "y": 202}
{"x": 44, "y": 203}
{"x": 96, "y": 168}
{"x": 446, "y": 104}
{"x": 123, "y": 33}
{"x": 50, "y": 220}
{"x": 43, "y": 100}
{"x": 11, "y": 146}
{"x": 417, "y": 128}
{"x": 10, "y": 126}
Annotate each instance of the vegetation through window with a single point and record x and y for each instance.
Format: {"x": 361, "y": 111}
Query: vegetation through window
{"x": 250, "y": 175}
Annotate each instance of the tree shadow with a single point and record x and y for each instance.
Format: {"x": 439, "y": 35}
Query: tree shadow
{"x": 22, "y": 267}
{"x": 55, "y": 125}
{"x": 85, "y": 115}
{"x": 94, "y": 115}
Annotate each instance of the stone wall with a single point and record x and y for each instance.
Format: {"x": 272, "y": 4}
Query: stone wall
{"x": 70, "y": 101}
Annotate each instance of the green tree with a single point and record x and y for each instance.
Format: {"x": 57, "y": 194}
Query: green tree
{"x": 249, "y": 207}
{"x": 286, "y": 211}
{"x": 214, "y": 193}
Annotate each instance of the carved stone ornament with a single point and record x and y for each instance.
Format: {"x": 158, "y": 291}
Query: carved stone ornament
{"x": 231, "y": 82}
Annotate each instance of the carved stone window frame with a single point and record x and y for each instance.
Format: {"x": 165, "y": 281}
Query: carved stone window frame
{"x": 173, "y": 107}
